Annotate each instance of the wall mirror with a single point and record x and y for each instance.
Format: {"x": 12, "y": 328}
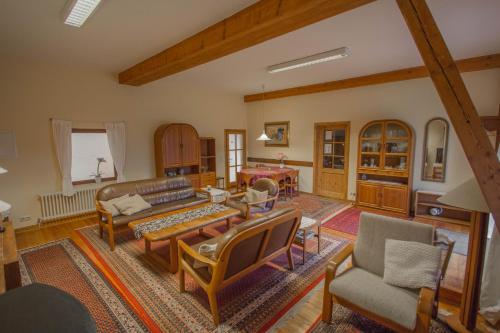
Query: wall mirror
{"x": 435, "y": 146}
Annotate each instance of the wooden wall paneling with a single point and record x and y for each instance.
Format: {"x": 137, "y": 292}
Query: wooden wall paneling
{"x": 255, "y": 24}
{"x": 456, "y": 100}
{"x": 464, "y": 65}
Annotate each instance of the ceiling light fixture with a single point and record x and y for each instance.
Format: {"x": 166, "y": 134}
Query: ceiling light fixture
{"x": 263, "y": 136}
{"x": 78, "y": 11}
{"x": 310, "y": 60}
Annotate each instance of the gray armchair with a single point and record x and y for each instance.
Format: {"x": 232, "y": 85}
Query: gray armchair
{"x": 361, "y": 287}
{"x": 248, "y": 209}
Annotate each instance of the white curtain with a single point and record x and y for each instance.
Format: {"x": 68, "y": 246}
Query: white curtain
{"x": 61, "y": 130}
{"x": 490, "y": 290}
{"x": 117, "y": 146}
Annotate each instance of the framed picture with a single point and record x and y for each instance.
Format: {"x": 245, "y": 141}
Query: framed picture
{"x": 278, "y": 132}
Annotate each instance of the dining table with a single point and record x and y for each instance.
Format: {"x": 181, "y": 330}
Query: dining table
{"x": 247, "y": 176}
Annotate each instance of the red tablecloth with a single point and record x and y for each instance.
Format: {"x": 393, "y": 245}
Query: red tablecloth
{"x": 265, "y": 172}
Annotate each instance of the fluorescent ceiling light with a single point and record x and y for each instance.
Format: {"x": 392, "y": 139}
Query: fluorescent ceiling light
{"x": 78, "y": 11}
{"x": 310, "y": 60}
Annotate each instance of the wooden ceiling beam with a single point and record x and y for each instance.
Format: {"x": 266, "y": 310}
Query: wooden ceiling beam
{"x": 456, "y": 100}
{"x": 464, "y": 65}
{"x": 255, "y": 24}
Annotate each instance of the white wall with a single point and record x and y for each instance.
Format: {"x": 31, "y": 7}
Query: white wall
{"x": 30, "y": 94}
{"x": 414, "y": 102}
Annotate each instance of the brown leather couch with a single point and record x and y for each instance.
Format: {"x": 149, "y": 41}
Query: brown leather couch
{"x": 164, "y": 195}
{"x": 240, "y": 250}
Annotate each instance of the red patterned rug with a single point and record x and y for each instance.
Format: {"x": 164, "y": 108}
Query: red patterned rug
{"x": 253, "y": 304}
{"x": 315, "y": 206}
{"x": 61, "y": 264}
{"x": 346, "y": 221}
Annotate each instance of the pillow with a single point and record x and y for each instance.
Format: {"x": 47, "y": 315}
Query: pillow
{"x": 206, "y": 250}
{"x": 132, "y": 205}
{"x": 252, "y": 196}
{"x": 411, "y": 264}
{"x": 109, "y": 205}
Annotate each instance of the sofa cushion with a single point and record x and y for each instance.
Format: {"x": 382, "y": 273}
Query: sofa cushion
{"x": 374, "y": 229}
{"x": 367, "y": 291}
{"x": 411, "y": 264}
{"x": 109, "y": 205}
{"x": 132, "y": 205}
{"x": 158, "y": 209}
{"x": 169, "y": 196}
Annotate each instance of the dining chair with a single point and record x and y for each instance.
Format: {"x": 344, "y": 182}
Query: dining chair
{"x": 292, "y": 183}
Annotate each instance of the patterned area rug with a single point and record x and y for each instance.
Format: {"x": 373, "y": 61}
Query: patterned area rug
{"x": 61, "y": 264}
{"x": 252, "y": 304}
{"x": 315, "y": 206}
{"x": 347, "y": 221}
{"x": 344, "y": 320}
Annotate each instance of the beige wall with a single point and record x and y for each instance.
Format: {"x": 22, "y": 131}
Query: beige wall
{"x": 31, "y": 93}
{"x": 414, "y": 101}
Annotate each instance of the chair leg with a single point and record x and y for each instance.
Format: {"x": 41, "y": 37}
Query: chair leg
{"x": 101, "y": 231}
{"x": 304, "y": 249}
{"x": 290, "y": 258}
{"x": 212, "y": 299}
{"x": 319, "y": 238}
{"x": 182, "y": 279}
{"x": 326, "y": 314}
{"x": 111, "y": 237}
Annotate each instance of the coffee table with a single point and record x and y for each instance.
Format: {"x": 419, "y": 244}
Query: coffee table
{"x": 172, "y": 232}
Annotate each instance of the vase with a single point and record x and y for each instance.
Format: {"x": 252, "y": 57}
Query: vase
{"x": 97, "y": 179}
{"x": 282, "y": 164}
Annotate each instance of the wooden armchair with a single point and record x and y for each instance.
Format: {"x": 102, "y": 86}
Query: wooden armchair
{"x": 240, "y": 251}
{"x": 246, "y": 208}
{"x": 360, "y": 287}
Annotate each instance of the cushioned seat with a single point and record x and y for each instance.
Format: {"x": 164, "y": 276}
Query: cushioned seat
{"x": 368, "y": 291}
{"x": 243, "y": 208}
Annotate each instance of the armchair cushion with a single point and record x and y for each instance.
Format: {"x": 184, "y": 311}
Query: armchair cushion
{"x": 374, "y": 229}
{"x": 411, "y": 264}
{"x": 252, "y": 196}
{"x": 243, "y": 207}
{"x": 369, "y": 292}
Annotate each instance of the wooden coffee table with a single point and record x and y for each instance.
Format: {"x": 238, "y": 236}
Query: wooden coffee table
{"x": 173, "y": 232}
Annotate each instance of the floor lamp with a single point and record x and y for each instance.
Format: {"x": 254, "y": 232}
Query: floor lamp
{"x": 469, "y": 196}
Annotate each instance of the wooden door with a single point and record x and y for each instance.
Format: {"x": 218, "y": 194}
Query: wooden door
{"x": 235, "y": 153}
{"x": 190, "y": 145}
{"x": 331, "y": 159}
{"x": 369, "y": 194}
{"x": 394, "y": 198}
{"x": 171, "y": 146}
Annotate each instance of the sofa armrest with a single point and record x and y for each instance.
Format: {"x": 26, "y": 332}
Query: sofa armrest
{"x": 103, "y": 212}
{"x": 185, "y": 248}
{"x": 424, "y": 310}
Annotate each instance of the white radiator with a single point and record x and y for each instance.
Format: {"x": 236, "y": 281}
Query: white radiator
{"x": 56, "y": 205}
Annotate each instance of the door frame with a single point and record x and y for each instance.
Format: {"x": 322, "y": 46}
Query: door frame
{"x": 226, "y": 151}
{"x": 316, "y": 162}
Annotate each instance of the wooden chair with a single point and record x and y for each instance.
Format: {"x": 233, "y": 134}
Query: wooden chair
{"x": 240, "y": 251}
{"x": 281, "y": 180}
{"x": 292, "y": 183}
{"x": 247, "y": 208}
{"x": 361, "y": 288}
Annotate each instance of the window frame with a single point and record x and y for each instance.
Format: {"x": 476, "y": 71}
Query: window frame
{"x": 227, "y": 132}
{"x": 92, "y": 181}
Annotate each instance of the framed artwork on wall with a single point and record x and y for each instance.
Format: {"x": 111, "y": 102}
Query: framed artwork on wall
{"x": 278, "y": 132}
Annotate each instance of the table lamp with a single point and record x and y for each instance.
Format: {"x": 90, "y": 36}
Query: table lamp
{"x": 4, "y": 207}
{"x": 469, "y": 196}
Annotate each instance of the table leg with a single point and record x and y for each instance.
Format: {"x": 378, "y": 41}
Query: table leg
{"x": 228, "y": 223}
{"x": 174, "y": 256}
{"x": 147, "y": 245}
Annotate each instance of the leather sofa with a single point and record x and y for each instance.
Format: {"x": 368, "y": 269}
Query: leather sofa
{"x": 164, "y": 194}
{"x": 240, "y": 250}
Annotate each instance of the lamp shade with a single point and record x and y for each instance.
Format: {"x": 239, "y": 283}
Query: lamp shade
{"x": 263, "y": 136}
{"x": 2, "y": 170}
{"x": 467, "y": 196}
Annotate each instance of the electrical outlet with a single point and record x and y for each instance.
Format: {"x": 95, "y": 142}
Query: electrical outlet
{"x": 25, "y": 218}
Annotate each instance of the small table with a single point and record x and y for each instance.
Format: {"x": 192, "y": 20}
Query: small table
{"x": 173, "y": 232}
{"x": 306, "y": 225}
{"x": 245, "y": 176}
{"x": 217, "y": 195}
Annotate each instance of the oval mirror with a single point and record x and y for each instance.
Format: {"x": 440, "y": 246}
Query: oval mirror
{"x": 435, "y": 146}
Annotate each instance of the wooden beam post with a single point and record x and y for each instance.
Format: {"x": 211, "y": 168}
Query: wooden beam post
{"x": 456, "y": 100}
{"x": 255, "y": 24}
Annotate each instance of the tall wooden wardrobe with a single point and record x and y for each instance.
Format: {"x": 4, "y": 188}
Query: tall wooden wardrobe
{"x": 177, "y": 152}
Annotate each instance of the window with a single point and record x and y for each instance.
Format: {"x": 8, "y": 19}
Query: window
{"x": 235, "y": 154}
{"x": 87, "y": 146}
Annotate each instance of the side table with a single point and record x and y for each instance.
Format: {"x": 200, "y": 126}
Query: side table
{"x": 306, "y": 226}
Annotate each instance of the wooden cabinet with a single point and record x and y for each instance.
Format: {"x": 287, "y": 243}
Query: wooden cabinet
{"x": 208, "y": 165}
{"x": 385, "y": 161}
{"x": 177, "y": 151}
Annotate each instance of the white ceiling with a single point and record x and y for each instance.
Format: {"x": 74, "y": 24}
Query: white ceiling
{"x": 123, "y": 32}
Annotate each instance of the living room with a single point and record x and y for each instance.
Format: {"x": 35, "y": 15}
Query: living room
{"x": 57, "y": 77}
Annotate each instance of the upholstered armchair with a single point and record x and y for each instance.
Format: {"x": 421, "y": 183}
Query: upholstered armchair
{"x": 361, "y": 287}
{"x": 247, "y": 209}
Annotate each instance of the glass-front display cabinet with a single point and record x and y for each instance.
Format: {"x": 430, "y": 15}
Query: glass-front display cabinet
{"x": 384, "y": 165}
